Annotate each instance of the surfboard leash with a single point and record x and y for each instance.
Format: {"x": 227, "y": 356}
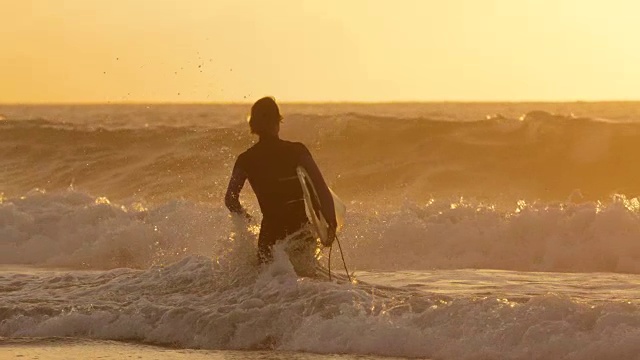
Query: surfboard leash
{"x": 330, "y": 251}
{"x": 341, "y": 255}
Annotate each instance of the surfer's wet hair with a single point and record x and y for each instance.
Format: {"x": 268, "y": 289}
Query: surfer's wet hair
{"x": 264, "y": 115}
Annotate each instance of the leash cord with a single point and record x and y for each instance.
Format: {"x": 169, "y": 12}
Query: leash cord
{"x": 330, "y": 248}
{"x": 341, "y": 255}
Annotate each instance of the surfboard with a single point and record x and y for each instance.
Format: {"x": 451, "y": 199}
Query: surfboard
{"x": 312, "y": 206}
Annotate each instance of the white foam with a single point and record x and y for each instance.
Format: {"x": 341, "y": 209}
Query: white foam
{"x": 187, "y": 305}
{"x": 461, "y": 234}
{"x": 76, "y": 230}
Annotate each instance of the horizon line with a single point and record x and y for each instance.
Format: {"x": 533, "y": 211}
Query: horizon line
{"x": 314, "y": 102}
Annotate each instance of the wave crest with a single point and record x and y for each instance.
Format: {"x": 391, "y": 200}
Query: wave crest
{"x": 73, "y": 229}
{"x": 541, "y": 156}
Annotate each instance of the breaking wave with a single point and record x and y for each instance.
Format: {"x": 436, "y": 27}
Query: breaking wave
{"x": 540, "y": 156}
{"x": 76, "y": 230}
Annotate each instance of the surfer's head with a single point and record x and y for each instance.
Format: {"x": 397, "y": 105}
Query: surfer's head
{"x": 265, "y": 117}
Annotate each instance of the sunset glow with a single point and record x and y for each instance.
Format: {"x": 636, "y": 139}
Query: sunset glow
{"x": 230, "y": 51}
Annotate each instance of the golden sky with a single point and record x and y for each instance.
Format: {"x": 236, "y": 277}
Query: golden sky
{"x": 324, "y": 50}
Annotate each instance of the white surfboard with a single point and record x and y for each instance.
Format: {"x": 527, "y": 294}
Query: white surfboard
{"x": 312, "y": 206}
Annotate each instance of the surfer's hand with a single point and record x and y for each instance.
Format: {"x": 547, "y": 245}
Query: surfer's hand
{"x": 331, "y": 236}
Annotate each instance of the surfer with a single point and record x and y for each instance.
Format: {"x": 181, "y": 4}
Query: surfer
{"x": 270, "y": 166}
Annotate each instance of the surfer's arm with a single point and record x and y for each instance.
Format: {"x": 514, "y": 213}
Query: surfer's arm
{"x": 326, "y": 200}
{"x": 232, "y": 198}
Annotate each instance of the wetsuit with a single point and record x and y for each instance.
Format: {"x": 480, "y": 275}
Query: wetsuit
{"x": 270, "y": 166}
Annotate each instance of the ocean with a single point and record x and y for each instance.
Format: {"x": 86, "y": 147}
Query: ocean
{"x": 473, "y": 231}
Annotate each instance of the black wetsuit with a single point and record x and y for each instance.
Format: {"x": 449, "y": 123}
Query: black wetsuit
{"x": 270, "y": 166}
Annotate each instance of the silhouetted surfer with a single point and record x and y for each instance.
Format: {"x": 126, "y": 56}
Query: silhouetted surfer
{"x": 270, "y": 166}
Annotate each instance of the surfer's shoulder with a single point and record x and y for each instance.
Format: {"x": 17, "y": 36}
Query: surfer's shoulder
{"x": 298, "y": 146}
{"x": 244, "y": 155}
{"x": 252, "y": 149}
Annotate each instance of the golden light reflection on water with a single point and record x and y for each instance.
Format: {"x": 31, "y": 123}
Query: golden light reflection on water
{"x": 507, "y": 302}
{"x": 102, "y": 200}
{"x": 254, "y": 229}
{"x": 631, "y": 204}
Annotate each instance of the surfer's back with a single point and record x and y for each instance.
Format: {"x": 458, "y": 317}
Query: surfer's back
{"x": 270, "y": 166}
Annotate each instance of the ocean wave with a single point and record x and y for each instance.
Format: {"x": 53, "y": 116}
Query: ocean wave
{"x": 184, "y": 274}
{"x": 76, "y": 230}
{"x": 72, "y": 229}
{"x": 541, "y": 156}
{"x": 182, "y": 305}
{"x": 134, "y": 216}
{"x": 566, "y": 237}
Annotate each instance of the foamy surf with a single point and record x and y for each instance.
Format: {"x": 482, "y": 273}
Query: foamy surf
{"x": 200, "y": 289}
{"x": 191, "y": 304}
{"x": 512, "y": 236}
{"x": 80, "y": 231}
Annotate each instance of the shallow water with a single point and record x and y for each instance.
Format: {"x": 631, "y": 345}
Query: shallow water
{"x": 445, "y": 314}
{"x": 73, "y": 349}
